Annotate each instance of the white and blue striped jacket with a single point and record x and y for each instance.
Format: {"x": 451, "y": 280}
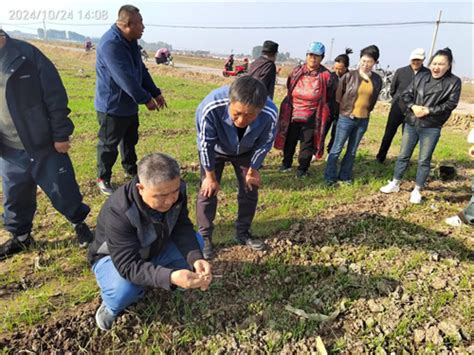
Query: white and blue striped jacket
{"x": 217, "y": 133}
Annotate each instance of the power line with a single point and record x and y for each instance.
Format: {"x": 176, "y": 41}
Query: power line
{"x": 354, "y": 25}
{"x": 311, "y": 26}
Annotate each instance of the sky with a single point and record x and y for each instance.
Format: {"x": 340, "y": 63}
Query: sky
{"x": 395, "y": 42}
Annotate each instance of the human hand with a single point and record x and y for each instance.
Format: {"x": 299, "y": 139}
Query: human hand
{"x": 62, "y": 147}
{"x": 420, "y": 111}
{"x": 151, "y": 105}
{"x": 252, "y": 179}
{"x": 203, "y": 269}
{"x": 209, "y": 186}
{"x": 160, "y": 102}
{"x": 187, "y": 279}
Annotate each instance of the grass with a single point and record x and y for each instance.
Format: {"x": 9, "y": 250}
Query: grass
{"x": 251, "y": 297}
{"x": 467, "y": 93}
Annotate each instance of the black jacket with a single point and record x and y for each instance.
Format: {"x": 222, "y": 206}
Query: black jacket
{"x": 264, "y": 70}
{"x": 402, "y": 78}
{"x": 36, "y": 99}
{"x": 332, "y": 103}
{"x": 441, "y": 100}
{"x": 126, "y": 233}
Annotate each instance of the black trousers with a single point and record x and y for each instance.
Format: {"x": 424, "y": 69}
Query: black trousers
{"x": 395, "y": 119}
{"x": 247, "y": 200}
{"x": 54, "y": 173}
{"x": 115, "y": 131}
{"x": 331, "y": 126}
{"x": 303, "y": 131}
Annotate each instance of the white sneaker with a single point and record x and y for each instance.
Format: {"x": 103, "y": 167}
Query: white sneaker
{"x": 415, "y": 196}
{"x": 391, "y": 187}
{"x": 454, "y": 221}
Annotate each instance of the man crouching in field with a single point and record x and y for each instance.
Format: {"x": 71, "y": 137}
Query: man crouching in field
{"x": 144, "y": 237}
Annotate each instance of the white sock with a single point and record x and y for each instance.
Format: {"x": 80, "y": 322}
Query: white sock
{"x": 417, "y": 188}
{"x": 396, "y": 182}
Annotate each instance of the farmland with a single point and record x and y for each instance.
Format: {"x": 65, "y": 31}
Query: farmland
{"x": 347, "y": 267}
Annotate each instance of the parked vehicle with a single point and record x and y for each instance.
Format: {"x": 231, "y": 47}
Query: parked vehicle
{"x": 239, "y": 69}
{"x": 163, "y": 56}
{"x": 386, "y": 76}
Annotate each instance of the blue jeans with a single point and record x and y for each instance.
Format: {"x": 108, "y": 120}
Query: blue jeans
{"x": 117, "y": 292}
{"x": 351, "y": 130}
{"x": 428, "y": 138}
{"x": 54, "y": 173}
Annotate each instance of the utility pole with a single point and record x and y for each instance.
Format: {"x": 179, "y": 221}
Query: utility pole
{"x": 44, "y": 29}
{"x": 330, "y": 49}
{"x": 435, "y": 34}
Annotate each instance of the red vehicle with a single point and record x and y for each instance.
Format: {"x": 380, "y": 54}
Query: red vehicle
{"x": 239, "y": 69}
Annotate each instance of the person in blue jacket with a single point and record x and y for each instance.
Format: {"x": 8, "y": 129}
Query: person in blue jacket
{"x": 122, "y": 83}
{"x": 34, "y": 141}
{"x": 234, "y": 124}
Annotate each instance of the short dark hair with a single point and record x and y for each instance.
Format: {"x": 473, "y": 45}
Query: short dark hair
{"x": 445, "y": 52}
{"x": 344, "y": 58}
{"x": 248, "y": 91}
{"x": 371, "y": 51}
{"x": 125, "y": 13}
{"x": 156, "y": 168}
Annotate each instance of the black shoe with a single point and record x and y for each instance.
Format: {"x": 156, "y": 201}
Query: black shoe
{"x": 331, "y": 183}
{"x": 284, "y": 169}
{"x": 208, "y": 250}
{"x": 300, "y": 174}
{"x": 14, "y": 246}
{"x": 83, "y": 234}
{"x": 248, "y": 240}
{"x": 105, "y": 187}
{"x": 380, "y": 160}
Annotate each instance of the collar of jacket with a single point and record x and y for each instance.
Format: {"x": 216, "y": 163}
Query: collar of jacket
{"x": 439, "y": 84}
{"x": 306, "y": 71}
{"x": 13, "y": 56}
{"x": 421, "y": 70}
{"x": 427, "y": 76}
{"x": 374, "y": 77}
{"x": 118, "y": 33}
{"x": 409, "y": 69}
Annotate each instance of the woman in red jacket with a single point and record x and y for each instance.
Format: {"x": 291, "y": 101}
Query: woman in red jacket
{"x": 307, "y": 85}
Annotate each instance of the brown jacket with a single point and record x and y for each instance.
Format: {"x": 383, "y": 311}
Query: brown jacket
{"x": 346, "y": 93}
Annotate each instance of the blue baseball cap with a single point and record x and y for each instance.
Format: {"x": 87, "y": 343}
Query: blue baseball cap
{"x": 316, "y": 48}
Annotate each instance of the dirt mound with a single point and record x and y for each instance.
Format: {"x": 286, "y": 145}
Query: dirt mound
{"x": 461, "y": 118}
{"x": 461, "y": 121}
